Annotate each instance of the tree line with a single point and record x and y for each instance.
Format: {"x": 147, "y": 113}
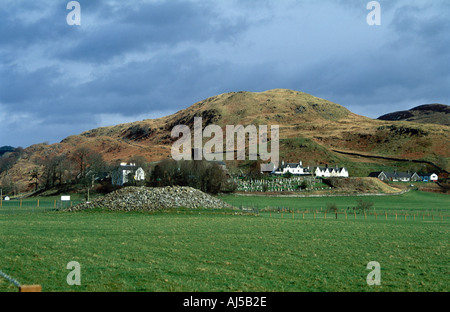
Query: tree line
{"x": 206, "y": 176}
{"x": 79, "y": 167}
{"x": 85, "y": 168}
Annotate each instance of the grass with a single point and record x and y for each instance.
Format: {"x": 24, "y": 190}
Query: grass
{"x": 37, "y": 204}
{"x": 190, "y": 250}
{"x": 413, "y": 201}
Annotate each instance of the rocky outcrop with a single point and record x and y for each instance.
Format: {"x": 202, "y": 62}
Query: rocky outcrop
{"x": 153, "y": 199}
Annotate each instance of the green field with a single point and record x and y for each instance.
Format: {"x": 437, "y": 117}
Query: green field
{"x": 199, "y": 251}
{"x": 413, "y": 201}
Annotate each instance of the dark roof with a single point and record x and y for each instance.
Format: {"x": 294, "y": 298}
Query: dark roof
{"x": 331, "y": 168}
{"x": 291, "y": 165}
{"x": 426, "y": 174}
{"x": 394, "y": 174}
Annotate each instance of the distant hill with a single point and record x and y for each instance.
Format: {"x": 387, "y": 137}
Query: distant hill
{"x": 313, "y": 130}
{"x": 428, "y": 113}
{"x": 6, "y": 149}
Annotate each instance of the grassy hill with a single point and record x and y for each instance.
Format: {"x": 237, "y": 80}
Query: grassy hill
{"x": 428, "y": 113}
{"x": 311, "y": 130}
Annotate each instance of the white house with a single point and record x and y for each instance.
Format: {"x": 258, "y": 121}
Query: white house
{"x": 124, "y": 171}
{"x": 293, "y": 168}
{"x": 434, "y": 177}
{"x": 327, "y": 172}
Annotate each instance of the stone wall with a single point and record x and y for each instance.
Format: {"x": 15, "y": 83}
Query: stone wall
{"x": 152, "y": 199}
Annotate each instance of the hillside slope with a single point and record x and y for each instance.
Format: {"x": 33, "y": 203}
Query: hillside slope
{"x": 311, "y": 129}
{"x": 428, "y": 113}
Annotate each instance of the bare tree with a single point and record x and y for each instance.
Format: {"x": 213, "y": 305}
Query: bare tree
{"x": 81, "y": 158}
{"x": 34, "y": 178}
{"x": 8, "y": 186}
{"x": 89, "y": 164}
{"x": 205, "y": 176}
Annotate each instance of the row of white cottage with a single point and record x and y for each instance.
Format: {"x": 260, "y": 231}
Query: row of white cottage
{"x": 298, "y": 169}
{"x": 127, "y": 171}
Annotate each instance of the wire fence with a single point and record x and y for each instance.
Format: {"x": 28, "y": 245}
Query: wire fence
{"x": 311, "y": 214}
{"x": 34, "y": 206}
{"x": 10, "y": 279}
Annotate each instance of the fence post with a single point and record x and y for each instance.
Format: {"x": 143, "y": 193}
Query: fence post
{"x": 30, "y": 288}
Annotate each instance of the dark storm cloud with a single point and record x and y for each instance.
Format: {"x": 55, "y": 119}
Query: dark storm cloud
{"x": 154, "y": 25}
{"x": 418, "y": 27}
{"x": 131, "y": 60}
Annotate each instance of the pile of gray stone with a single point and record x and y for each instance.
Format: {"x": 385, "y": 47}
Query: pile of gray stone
{"x": 152, "y": 199}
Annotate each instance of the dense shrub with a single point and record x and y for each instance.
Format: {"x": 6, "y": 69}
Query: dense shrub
{"x": 203, "y": 175}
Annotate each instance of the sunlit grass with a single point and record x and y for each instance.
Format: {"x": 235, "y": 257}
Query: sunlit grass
{"x": 186, "y": 251}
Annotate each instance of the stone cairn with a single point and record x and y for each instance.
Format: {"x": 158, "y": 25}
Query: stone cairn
{"x": 153, "y": 199}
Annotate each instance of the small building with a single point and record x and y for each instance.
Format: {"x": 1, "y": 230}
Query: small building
{"x": 434, "y": 177}
{"x": 380, "y": 175}
{"x": 7, "y": 198}
{"x": 125, "y": 171}
{"x": 396, "y": 176}
{"x": 328, "y": 172}
{"x": 292, "y": 168}
{"x": 425, "y": 177}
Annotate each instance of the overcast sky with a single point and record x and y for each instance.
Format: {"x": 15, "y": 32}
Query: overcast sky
{"x": 134, "y": 60}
